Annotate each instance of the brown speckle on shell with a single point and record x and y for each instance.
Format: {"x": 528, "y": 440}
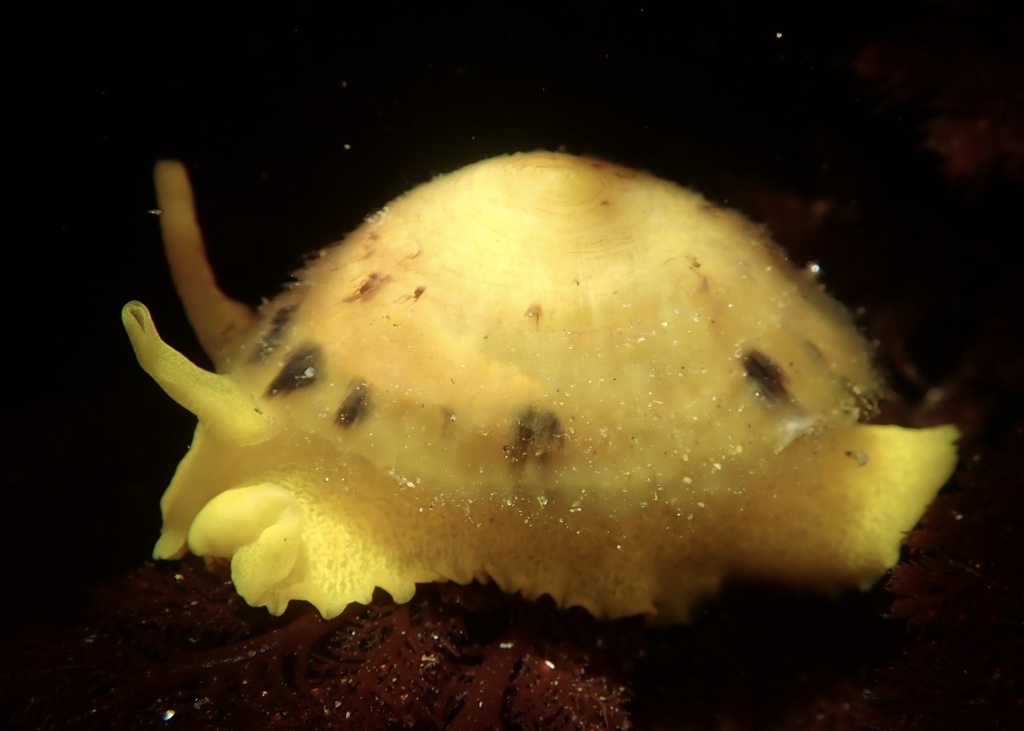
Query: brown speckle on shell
{"x": 537, "y": 434}
{"x": 411, "y": 296}
{"x": 299, "y": 371}
{"x": 369, "y": 286}
{"x": 356, "y": 404}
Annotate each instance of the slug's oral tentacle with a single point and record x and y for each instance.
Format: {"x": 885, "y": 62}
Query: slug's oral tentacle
{"x": 221, "y": 405}
{"x": 215, "y": 317}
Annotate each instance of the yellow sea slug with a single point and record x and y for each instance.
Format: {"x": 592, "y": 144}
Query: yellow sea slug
{"x": 547, "y": 371}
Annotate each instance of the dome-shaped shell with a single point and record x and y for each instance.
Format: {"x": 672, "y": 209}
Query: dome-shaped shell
{"x": 553, "y": 372}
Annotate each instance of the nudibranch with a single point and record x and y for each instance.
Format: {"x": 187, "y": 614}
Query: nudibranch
{"x": 551, "y": 372}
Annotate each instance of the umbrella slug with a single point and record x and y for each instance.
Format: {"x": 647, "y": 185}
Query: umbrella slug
{"x": 547, "y": 371}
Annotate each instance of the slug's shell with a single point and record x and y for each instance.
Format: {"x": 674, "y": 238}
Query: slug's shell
{"x": 552, "y": 372}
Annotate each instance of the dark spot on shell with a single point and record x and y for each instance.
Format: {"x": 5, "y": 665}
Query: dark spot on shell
{"x": 356, "y": 404}
{"x": 766, "y": 374}
{"x": 418, "y": 292}
{"x": 534, "y": 313}
{"x": 537, "y": 434}
{"x": 371, "y": 283}
{"x": 448, "y": 418}
{"x": 298, "y": 372}
{"x": 269, "y": 341}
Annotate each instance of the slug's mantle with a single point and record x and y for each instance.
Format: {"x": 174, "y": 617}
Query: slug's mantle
{"x": 551, "y": 372}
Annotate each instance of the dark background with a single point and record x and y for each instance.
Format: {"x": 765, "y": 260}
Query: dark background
{"x": 298, "y": 122}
